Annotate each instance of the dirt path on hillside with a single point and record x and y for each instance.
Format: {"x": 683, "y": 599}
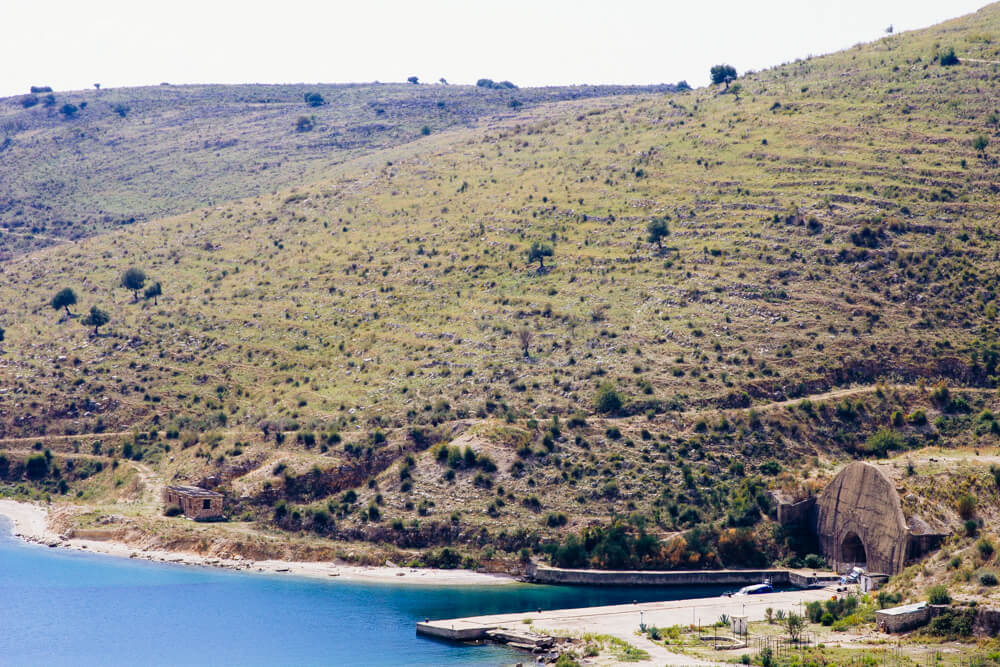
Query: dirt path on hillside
{"x": 55, "y": 239}
{"x": 832, "y": 394}
{"x": 152, "y": 485}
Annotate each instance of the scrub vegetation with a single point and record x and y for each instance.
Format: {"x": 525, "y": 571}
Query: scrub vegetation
{"x": 598, "y": 330}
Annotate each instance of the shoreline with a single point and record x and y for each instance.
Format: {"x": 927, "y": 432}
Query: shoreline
{"x": 30, "y": 524}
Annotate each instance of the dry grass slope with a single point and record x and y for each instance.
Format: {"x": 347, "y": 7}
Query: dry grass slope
{"x": 832, "y": 224}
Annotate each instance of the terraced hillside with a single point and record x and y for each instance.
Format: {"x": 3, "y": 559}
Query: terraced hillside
{"x": 127, "y": 155}
{"x": 831, "y": 222}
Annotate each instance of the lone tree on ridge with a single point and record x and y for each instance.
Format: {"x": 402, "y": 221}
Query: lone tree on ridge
{"x": 723, "y": 74}
{"x": 64, "y": 298}
{"x": 97, "y": 319}
{"x": 134, "y": 279}
{"x": 538, "y": 252}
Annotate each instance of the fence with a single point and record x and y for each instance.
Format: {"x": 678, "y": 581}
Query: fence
{"x": 781, "y": 647}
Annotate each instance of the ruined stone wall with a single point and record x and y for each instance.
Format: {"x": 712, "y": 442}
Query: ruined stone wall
{"x": 795, "y": 513}
{"x": 861, "y": 500}
{"x": 194, "y": 507}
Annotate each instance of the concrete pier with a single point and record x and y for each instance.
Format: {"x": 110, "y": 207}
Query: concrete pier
{"x": 623, "y": 620}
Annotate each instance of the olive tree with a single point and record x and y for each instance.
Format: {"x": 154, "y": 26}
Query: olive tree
{"x": 64, "y": 298}
{"x": 723, "y": 74}
{"x": 134, "y": 279}
{"x": 538, "y": 252}
{"x": 658, "y": 230}
{"x": 153, "y": 292}
{"x": 97, "y": 319}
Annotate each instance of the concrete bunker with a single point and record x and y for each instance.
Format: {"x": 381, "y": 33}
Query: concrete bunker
{"x": 859, "y": 521}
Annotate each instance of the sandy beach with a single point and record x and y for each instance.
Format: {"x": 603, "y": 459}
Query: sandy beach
{"x": 31, "y": 524}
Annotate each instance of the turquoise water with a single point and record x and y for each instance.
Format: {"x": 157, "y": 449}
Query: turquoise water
{"x": 61, "y": 607}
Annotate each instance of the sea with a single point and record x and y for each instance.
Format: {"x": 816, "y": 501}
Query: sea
{"x": 66, "y": 607}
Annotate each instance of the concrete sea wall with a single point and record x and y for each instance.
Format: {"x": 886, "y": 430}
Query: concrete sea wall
{"x": 551, "y": 575}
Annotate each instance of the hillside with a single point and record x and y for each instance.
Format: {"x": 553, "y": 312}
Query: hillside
{"x": 831, "y": 224}
{"x": 132, "y": 154}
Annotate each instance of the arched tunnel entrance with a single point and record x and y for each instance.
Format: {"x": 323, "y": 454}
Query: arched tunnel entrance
{"x": 852, "y": 551}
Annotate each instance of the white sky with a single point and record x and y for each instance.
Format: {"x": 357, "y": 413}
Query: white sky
{"x": 70, "y": 44}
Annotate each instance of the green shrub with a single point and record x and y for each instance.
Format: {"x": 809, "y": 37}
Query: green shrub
{"x": 883, "y": 441}
{"x": 814, "y": 561}
{"x": 608, "y": 400}
{"x": 966, "y": 506}
{"x": 952, "y": 623}
{"x": 771, "y": 467}
{"x": 947, "y": 57}
{"x": 938, "y": 595}
{"x": 566, "y": 660}
{"x": 36, "y": 467}
{"x": 988, "y": 579}
{"x": 172, "y": 510}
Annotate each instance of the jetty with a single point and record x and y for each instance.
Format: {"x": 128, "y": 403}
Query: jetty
{"x": 621, "y": 620}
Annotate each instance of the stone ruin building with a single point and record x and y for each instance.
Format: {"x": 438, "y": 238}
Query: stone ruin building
{"x": 195, "y": 502}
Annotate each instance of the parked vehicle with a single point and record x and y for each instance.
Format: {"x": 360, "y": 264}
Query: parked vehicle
{"x": 756, "y": 589}
{"x": 853, "y": 576}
